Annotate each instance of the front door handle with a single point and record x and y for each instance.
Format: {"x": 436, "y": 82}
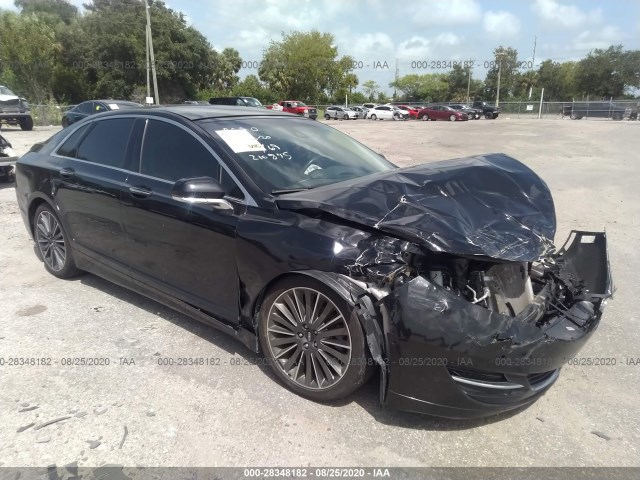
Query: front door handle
{"x": 67, "y": 172}
{"x": 140, "y": 192}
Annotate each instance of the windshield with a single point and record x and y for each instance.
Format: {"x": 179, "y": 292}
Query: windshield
{"x": 5, "y": 91}
{"x": 282, "y": 154}
{"x": 252, "y": 102}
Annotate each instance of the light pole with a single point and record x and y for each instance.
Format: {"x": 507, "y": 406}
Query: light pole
{"x": 469, "y": 86}
{"x": 153, "y": 58}
{"x": 499, "y": 55}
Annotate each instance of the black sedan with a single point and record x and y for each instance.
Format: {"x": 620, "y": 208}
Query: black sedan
{"x": 335, "y": 263}
{"x": 91, "y": 107}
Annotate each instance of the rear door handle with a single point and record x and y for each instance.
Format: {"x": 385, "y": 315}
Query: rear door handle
{"x": 140, "y": 192}
{"x": 67, "y": 172}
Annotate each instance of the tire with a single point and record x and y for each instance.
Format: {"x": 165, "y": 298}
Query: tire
{"x": 373, "y": 116}
{"x": 49, "y": 232}
{"x": 488, "y": 115}
{"x": 327, "y": 117}
{"x": 452, "y": 118}
{"x": 26, "y": 123}
{"x": 288, "y": 342}
{"x": 424, "y": 118}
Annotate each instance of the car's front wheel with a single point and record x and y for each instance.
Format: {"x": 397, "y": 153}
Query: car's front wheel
{"x": 312, "y": 341}
{"x": 452, "y": 118}
{"x": 53, "y": 243}
{"x": 373, "y": 116}
{"x": 327, "y": 116}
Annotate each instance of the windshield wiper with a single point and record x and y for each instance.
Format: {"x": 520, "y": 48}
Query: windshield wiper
{"x": 289, "y": 190}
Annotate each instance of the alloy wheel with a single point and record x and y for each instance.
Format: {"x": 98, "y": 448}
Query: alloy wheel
{"x": 50, "y": 241}
{"x": 309, "y": 338}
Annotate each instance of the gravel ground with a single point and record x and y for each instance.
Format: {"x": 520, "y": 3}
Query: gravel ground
{"x": 136, "y": 412}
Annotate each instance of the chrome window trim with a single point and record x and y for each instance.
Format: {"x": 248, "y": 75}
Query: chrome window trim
{"x": 248, "y": 200}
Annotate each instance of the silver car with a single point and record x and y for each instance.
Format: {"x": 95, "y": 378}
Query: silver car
{"x": 362, "y": 110}
{"x": 340, "y": 113}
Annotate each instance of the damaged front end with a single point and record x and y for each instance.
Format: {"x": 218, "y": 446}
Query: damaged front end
{"x": 466, "y": 337}
{"x": 465, "y": 302}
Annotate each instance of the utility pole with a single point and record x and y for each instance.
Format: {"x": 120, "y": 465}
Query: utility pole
{"x": 146, "y": 39}
{"x": 396, "y": 81}
{"x": 469, "y": 86}
{"x": 533, "y": 62}
{"x": 499, "y": 55}
{"x": 152, "y": 56}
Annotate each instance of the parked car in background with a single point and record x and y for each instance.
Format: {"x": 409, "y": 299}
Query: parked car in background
{"x": 340, "y": 113}
{"x": 386, "y": 112}
{"x": 489, "y": 110}
{"x": 472, "y": 113}
{"x": 296, "y": 107}
{"x": 91, "y": 107}
{"x": 413, "y": 111}
{"x": 578, "y": 110}
{"x": 315, "y": 251}
{"x": 363, "y": 111}
{"x": 14, "y": 109}
{"x": 401, "y": 113}
{"x": 195, "y": 102}
{"x": 236, "y": 101}
{"x": 369, "y": 106}
{"x": 8, "y": 157}
{"x": 442, "y": 112}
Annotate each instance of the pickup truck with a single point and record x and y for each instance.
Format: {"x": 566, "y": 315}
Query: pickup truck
{"x": 295, "y": 106}
{"x": 489, "y": 111}
{"x": 14, "y": 110}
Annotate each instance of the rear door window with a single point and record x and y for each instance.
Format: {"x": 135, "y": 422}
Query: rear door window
{"x": 106, "y": 144}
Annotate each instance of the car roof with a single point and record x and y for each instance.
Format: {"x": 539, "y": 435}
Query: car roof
{"x": 199, "y": 112}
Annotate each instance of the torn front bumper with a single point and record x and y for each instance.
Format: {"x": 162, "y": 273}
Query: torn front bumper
{"x": 448, "y": 357}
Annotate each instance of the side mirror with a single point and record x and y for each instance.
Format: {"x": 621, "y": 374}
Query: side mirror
{"x": 201, "y": 190}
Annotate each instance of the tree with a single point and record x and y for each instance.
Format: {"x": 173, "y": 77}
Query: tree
{"x": 304, "y": 65}
{"x": 370, "y": 89}
{"x": 430, "y": 86}
{"x": 28, "y": 47}
{"x": 55, "y": 10}
{"x": 458, "y": 80}
{"x": 558, "y": 80}
{"x": 608, "y": 73}
{"x": 506, "y": 61}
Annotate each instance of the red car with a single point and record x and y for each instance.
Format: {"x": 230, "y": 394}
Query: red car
{"x": 297, "y": 107}
{"x": 441, "y": 112}
{"x": 413, "y": 111}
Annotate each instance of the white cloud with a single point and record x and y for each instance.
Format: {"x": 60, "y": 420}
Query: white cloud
{"x": 369, "y": 45}
{"x": 501, "y": 24}
{"x": 450, "y": 12}
{"x": 448, "y": 38}
{"x": 600, "y": 38}
{"x": 7, "y": 5}
{"x": 569, "y": 16}
{"x": 415, "y": 48}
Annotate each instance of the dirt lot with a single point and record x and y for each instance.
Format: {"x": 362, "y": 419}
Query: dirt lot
{"x": 235, "y": 414}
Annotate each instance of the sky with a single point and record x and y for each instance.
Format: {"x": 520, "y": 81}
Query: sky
{"x": 379, "y": 34}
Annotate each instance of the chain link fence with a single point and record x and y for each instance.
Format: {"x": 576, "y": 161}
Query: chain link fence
{"x": 45, "y": 115}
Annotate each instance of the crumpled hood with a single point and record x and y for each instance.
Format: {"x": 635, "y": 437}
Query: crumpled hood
{"x": 490, "y": 205}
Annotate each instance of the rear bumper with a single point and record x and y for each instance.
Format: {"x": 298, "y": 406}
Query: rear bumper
{"x": 450, "y": 358}
{"x": 8, "y": 161}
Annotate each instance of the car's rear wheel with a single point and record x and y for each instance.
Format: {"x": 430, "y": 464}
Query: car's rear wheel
{"x": 313, "y": 343}
{"x": 373, "y": 116}
{"x": 53, "y": 244}
{"x": 26, "y": 123}
{"x": 327, "y": 116}
{"x": 425, "y": 118}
